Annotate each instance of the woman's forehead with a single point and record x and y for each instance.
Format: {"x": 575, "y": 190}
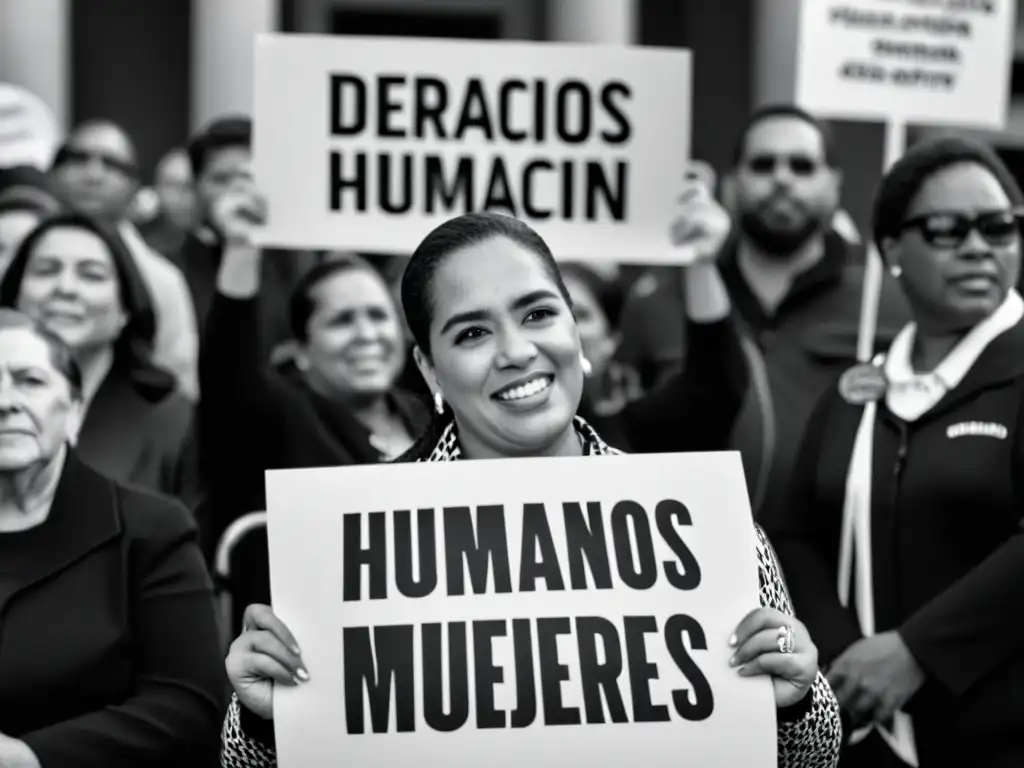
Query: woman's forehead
{"x": 961, "y": 187}
{"x": 72, "y": 241}
{"x": 494, "y": 271}
{"x": 24, "y": 348}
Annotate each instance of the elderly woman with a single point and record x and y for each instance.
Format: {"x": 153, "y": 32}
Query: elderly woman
{"x": 499, "y": 348}
{"x": 75, "y": 277}
{"x": 109, "y": 652}
{"x": 903, "y": 539}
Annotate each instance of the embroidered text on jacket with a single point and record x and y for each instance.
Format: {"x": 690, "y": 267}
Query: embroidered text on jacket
{"x": 977, "y": 428}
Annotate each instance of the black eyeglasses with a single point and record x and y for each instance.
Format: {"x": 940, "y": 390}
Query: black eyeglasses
{"x": 799, "y": 165}
{"x": 73, "y": 156}
{"x": 950, "y": 230}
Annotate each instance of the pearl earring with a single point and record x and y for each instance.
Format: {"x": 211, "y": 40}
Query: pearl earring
{"x": 896, "y": 270}
{"x": 438, "y": 403}
{"x": 586, "y": 366}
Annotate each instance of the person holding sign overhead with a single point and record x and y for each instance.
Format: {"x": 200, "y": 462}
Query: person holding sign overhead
{"x": 498, "y": 346}
{"x": 903, "y": 537}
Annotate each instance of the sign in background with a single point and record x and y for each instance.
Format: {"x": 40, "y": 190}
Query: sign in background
{"x": 939, "y": 62}
{"x": 518, "y": 612}
{"x": 368, "y": 143}
{"x": 28, "y": 129}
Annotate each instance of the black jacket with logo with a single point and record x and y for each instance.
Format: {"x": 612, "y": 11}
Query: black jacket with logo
{"x": 948, "y": 551}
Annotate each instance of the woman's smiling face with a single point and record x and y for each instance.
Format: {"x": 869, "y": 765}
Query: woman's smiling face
{"x": 505, "y": 351}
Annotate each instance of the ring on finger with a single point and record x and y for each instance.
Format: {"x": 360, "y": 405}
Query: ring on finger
{"x": 787, "y": 643}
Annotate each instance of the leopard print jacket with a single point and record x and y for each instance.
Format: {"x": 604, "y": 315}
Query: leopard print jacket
{"x": 812, "y": 741}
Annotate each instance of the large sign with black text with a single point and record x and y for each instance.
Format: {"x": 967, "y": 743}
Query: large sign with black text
{"x": 368, "y": 143}
{"x": 518, "y": 612}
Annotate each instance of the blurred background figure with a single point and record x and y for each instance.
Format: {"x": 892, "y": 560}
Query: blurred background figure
{"x": 333, "y": 401}
{"x": 26, "y": 197}
{"x": 220, "y": 157}
{"x": 96, "y": 170}
{"x": 176, "y": 211}
{"x": 597, "y": 306}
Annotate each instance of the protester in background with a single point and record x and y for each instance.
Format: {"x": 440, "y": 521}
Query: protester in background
{"x": 175, "y": 215}
{"x": 220, "y": 157}
{"x": 795, "y": 284}
{"x": 926, "y": 480}
{"x": 97, "y": 171}
{"x": 110, "y": 652}
{"x": 26, "y": 197}
{"x": 498, "y": 345}
{"x": 611, "y": 385}
{"x": 77, "y": 278}
{"x": 334, "y": 404}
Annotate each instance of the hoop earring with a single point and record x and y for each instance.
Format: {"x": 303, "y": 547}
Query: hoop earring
{"x": 896, "y": 270}
{"x": 438, "y": 403}
{"x": 586, "y": 366}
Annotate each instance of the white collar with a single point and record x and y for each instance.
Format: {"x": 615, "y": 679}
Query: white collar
{"x": 912, "y": 394}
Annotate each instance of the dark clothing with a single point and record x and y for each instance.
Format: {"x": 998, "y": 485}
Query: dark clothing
{"x": 164, "y": 237}
{"x": 253, "y": 419}
{"x": 140, "y": 431}
{"x": 693, "y": 410}
{"x": 796, "y": 354}
{"x": 199, "y": 259}
{"x": 793, "y": 354}
{"x": 652, "y": 325}
{"x": 947, "y": 548}
{"x": 109, "y": 649}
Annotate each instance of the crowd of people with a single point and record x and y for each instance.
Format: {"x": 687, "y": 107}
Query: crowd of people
{"x": 154, "y": 364}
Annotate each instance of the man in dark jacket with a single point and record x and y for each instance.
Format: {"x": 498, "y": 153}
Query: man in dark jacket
{"x": 795, "y": 285}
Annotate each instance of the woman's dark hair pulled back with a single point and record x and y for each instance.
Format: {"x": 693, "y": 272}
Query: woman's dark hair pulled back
{"x": 418, "y": 301}
{"x": 461, "y": 232}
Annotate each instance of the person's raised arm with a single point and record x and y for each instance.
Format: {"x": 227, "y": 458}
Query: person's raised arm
{"x": 237, "y": 414}
{"x": 696, "y": 409}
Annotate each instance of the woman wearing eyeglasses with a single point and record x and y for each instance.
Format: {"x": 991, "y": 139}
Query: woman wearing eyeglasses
{"x": 903, "y": 540}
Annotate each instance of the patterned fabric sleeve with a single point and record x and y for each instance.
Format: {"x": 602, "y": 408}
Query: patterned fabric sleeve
{"x": 815, "y": 739}
{"x": 237, "y": 750}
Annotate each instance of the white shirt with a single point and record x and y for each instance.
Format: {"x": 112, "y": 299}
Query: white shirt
{"x": 910, "y": 394}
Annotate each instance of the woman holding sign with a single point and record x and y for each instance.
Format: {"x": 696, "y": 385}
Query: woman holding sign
{"x": 903, "y": 538}
{"x": 497, "y": 344}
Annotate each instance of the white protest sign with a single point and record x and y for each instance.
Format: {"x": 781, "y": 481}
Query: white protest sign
{"x": 510, "y": 613}
{"x": 369, "y": 143}
{"x": 28, "y": 129}
{"x": 925, "y": 61}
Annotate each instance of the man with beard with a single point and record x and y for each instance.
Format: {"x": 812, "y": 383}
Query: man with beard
{"x": 795, "y": 284}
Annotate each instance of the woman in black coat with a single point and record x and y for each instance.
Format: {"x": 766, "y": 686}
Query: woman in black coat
{"x": 109, "y": 649}
{"x": 903, "y": 540}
